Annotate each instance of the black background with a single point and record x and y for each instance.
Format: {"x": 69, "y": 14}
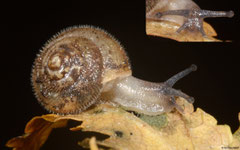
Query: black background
{"x": 27, "y": 26}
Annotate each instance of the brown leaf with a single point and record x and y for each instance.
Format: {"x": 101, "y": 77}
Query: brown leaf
{"x": 168, "y": 29}
{"x": 191, "y": 130}
{"x": 236, "y": 135}
{"x": 93, "y": 144}
{"x": 36, "y": 131}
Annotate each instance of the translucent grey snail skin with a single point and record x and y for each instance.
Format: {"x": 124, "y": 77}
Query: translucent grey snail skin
{"x": 186, "y": 13}
{"x": 84, "y": 66}
{"x": 148, "y": 97}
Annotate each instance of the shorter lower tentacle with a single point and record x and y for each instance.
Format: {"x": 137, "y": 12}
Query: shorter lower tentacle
{"x": 173, "y": 92}
{"x": 178, "y": 107}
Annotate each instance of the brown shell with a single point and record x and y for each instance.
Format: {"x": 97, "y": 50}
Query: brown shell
{"x": 71, "y": 70}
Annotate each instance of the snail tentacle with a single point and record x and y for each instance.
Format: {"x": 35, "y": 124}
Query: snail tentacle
{"x": 171, "y": 81}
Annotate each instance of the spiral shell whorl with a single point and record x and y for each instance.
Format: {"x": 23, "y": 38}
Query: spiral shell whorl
{"x": 69, "y": 72}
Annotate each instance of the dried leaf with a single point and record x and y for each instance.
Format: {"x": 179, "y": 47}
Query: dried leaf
{"x": 236, "y": 135}
{"x": 36, "y": 131}
{"x": 93, "y": 144}
{"x": 191, "y": 130}
{"x": 168, "y": 29}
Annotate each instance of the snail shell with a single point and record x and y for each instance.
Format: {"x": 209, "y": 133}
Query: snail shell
{"x": 71, "y": 69}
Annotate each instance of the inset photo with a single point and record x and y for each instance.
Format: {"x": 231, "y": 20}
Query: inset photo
{"x": 181, "y": 20}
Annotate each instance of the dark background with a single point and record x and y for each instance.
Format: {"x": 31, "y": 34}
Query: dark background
{"x": 27, "y": 26}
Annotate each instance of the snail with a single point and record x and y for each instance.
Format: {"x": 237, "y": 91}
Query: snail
{"x": 186, "y": 13}
{"x": 84, "y": 66}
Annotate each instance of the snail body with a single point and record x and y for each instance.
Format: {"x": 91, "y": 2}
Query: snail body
{"x": 84, "y": 65}
{"x": 185, "y": 13}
